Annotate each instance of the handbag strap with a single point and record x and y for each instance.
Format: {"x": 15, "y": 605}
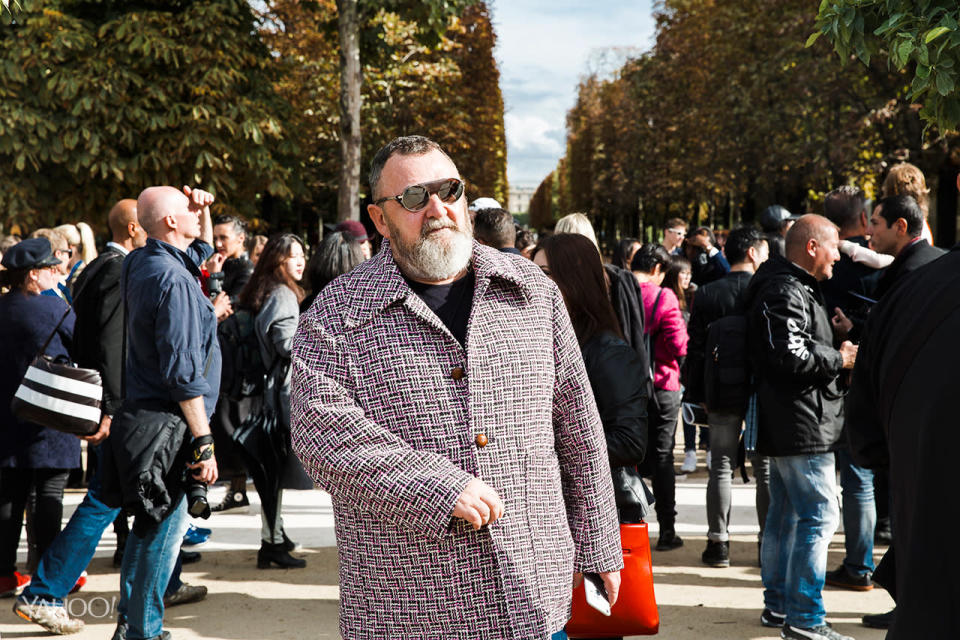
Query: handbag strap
{"x": 49, "y": 339}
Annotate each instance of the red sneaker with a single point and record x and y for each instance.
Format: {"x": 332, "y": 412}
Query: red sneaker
{"x": 81, "y": 581}
{"x": 11, "y": 585}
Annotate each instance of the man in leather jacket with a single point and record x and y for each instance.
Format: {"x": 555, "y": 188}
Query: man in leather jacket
{"x": 800, "y": 416}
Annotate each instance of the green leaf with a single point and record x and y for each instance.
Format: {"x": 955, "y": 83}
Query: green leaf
{"x": 904, "y": 49}
{"x": 813, "y": 38}
{"x": 933, "y": 34}
{"x": 945, "y": 84}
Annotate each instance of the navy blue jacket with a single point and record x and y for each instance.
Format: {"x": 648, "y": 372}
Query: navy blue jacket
{"x": 26, "y": 321}
{"x": 171, "y": 326}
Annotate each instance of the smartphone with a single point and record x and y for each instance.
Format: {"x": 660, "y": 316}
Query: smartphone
{"x": 596, "y": 593}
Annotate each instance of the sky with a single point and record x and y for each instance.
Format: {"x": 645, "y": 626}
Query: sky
{"x": 544, "y": 47}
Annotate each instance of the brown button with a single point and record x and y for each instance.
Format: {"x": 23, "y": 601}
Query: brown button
{"x": 481, "y": 440}
{"x": 458, "y": 373}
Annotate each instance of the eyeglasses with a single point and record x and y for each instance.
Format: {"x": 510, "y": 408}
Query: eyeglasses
{"x": 416, "y": 196}
{"x": 679, "y": 232}
{"x": 69, "y": 252}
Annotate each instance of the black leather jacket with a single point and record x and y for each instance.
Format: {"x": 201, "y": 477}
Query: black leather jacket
{"x": 617, "y": 375}
{"x": 795, "y": 364}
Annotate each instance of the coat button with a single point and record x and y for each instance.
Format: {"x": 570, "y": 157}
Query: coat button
{"x": 458, "y": 373}
{"x": 481, "y": 440}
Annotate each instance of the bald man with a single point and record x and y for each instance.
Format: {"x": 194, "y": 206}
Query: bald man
{"x": 800, "y": 420}
{"x": 98, "y": 344}
{"x": 172, "y": 378}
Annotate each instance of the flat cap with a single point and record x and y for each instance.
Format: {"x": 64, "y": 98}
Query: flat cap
{"x": 32, "y": 253}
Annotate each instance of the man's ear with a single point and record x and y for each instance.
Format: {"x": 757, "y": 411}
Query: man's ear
{"x": 376, "y": 215}
{"x": 864, "y": 219}
{"x": 901, "y": 226}
{"x": 812, "y": 246}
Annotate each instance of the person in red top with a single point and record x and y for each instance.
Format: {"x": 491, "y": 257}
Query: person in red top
{"x": 668, "y": 338}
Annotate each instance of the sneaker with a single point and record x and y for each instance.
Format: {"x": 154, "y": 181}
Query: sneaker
{"x": 842, "y": 578}
{"x": 186, "y": 594}
{"x": 879, "y": 620}
{"x": 120, "y": 633}
{"x": 81, "y": 581}
{"x": 689, "y": 461}
{"x": 823, "y": 632}
{"x": 195, "y": 536}
{"x": 717, "y": 554}
{"x": 233, "y": 501}
{"x": 770, "y": 618}
{"x": 13, "y": 584}
{"x": 189, "y": 557}
{"x": 51, "y": 617}
{"x": 668, "y": 540}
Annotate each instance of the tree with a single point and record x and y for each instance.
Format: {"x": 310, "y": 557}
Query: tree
{"x": 99, "y": 99}
{"x": 923, "y": 37}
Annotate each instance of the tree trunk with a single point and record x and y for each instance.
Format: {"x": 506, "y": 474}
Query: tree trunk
{"x": 348, "y": 21}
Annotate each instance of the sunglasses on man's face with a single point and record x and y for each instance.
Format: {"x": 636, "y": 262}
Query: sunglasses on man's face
{"x": 416, "y": 196}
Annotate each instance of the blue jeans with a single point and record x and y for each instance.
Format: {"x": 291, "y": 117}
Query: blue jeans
{"x": 859, "y": 514}
{"x": 802, "y": 518}
{"x": 559, "y": 635}
{"x": 148, "y": 563}
{"x": 72, "y": 550}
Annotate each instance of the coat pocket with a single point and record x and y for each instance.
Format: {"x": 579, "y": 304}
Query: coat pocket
{"x": 549, "y": 530}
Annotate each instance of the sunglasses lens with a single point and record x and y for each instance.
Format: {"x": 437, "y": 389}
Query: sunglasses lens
{"x": 450, "y": 191}
{"x": 414, "y": 197}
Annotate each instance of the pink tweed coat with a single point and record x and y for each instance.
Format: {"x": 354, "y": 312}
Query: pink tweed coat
{"x": 386, "y": 407}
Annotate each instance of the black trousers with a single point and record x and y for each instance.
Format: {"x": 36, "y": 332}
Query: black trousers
{"x": 661, "y": 439}
{"x": 15, "y": 486}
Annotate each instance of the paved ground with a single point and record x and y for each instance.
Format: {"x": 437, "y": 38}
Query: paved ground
{"x": 246, "y": 603}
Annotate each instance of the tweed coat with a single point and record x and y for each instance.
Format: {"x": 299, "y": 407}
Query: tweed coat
{"x": 386, "y": 407}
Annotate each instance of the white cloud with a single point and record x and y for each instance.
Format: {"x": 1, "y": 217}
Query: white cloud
{"x": 530, "y": 133}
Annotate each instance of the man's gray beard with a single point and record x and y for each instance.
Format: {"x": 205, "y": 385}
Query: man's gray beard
{"x": 434, "y": 258}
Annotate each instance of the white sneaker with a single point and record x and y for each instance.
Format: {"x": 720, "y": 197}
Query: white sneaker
{"x": 708, "y": 460}
{"x": 689, "y": 461}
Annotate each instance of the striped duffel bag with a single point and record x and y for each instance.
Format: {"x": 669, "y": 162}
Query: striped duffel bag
{"x": 59, "y": 395}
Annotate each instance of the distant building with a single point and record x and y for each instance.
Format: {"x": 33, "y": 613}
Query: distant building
{"x": 520, "y": 199}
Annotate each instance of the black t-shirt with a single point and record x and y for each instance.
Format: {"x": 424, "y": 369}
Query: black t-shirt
{"x": 451, "y": 302}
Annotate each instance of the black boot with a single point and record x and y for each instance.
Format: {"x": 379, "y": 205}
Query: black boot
{"x": 717, "y": 554}
{"x": 668, "y": 539}
{"x": 289, "y": 544}
{"x": 277, "y": 554}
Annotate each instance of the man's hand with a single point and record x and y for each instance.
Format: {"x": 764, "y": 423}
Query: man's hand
{"x": 205, "y": 470}
{"x": 849, "y": 352}
{"x": 215, "y": 263}
{"x": 611, "y": 582}
{"x": 841, "y": 324}
{"x": 478, "y": 504}
{"x": 199, "y": 199}
{"x": 102, "y": 433}
{"x": 222, "y": 306}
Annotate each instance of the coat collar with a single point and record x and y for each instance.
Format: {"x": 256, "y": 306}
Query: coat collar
{"x": 380, "y": 284}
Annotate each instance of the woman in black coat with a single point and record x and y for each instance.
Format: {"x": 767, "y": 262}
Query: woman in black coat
{"x": 617, "y": 372}
{"x": 31, "y": 456}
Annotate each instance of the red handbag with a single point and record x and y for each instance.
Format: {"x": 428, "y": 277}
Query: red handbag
{"x": 635, "y": 613}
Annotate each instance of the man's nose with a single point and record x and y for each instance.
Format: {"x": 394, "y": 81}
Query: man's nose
{"x": 435, "y": 207}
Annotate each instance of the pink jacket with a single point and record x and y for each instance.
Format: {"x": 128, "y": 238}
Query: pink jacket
{"x": 670, "y": 335}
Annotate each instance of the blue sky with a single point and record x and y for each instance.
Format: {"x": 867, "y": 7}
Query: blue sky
{"x": 544, "y": 48}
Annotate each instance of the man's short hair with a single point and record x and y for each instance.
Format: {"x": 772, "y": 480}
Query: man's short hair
{"x": 676, "y": 222}
{"x": 843, "y": 206}
{"x": 404, "y": 146}
{"x": 906, "y": 207}
{"x": 649, "y": 256}
{"x": 705, "y": 231}
{"x": 808, "y": 227}
{"x": 739, "y": 241}
{"x": 239, "y": 224}
{"x": 495, "y": 228}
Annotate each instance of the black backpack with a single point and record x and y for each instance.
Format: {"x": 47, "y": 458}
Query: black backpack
{"x": 727, "y": 374}
{"x": 243, "y": 369}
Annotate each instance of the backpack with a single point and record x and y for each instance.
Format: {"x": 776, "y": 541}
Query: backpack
{"x": 243, "y": 369}
{"x": 727, "y": 374}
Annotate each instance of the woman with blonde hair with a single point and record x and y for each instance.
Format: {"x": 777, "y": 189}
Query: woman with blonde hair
{"x": 907, "y": 179}
{"x": 83, "y": 248}
{"x": 577, "y": 223}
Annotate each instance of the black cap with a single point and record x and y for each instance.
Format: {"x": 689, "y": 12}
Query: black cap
{"x": 33, "y": 253}
{"x": 774, "y": 216}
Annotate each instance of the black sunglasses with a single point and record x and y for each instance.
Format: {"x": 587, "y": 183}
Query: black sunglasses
{"x": 415, "y": 197}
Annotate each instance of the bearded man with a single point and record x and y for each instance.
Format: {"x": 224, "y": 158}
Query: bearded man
{"x": 439, "y": 395}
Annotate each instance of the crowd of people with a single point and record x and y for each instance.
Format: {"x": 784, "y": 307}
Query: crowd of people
{"x": 484, "y": 406}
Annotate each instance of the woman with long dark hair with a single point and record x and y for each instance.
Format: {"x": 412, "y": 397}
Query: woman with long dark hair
{"x": 273, "y": 293}
{"x": 337, "y": 254}
{"x": 615, "y": 370}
